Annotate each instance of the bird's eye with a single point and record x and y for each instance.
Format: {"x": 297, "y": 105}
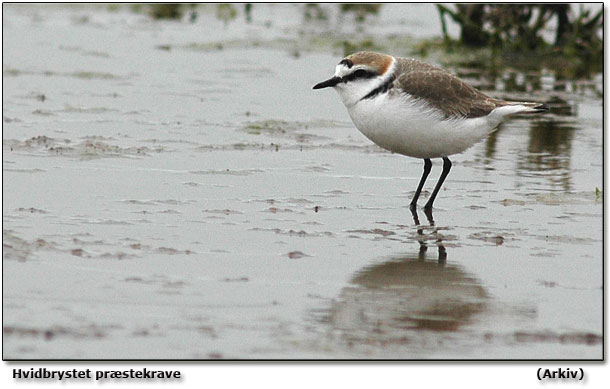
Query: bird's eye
{"x": 361, "y": 73}
{"x": 358, "y": 74}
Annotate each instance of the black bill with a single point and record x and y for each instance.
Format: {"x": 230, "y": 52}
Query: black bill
{"x": 330, "y": 82}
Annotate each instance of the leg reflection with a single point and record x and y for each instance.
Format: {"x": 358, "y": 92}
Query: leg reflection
{"x": 422, "y": 238}
{"x": 442, "y": 253}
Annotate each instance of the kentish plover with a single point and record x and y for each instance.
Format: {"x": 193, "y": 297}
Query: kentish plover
{"x": 415, "y": 109}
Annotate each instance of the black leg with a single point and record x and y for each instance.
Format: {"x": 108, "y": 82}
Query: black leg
{"x": 427, "y": 167}
{"x": 446, "y": 168}
{"x": 428, "y": 213}
{"x": 415, "y": 216}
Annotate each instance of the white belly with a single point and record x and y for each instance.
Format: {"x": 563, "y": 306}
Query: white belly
{"x": 410, "y": 127}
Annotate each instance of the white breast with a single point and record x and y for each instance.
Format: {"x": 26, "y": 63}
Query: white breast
{"x": 409, "y": 126}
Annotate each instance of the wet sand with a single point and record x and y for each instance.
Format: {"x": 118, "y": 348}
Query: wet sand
{"x": 177, "y": 190}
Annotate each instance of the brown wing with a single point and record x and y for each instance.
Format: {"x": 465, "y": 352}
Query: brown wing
{"x": 446, "y": 93}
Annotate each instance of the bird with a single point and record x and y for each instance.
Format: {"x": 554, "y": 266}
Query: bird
{"x": 412, "y": 108}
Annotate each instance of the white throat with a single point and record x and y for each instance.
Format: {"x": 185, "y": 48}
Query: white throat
{"x": 352, "y": 92}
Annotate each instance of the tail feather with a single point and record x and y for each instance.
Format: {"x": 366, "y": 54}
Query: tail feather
{"x": 508, "y": 108}
{"x": 528, "y": 107}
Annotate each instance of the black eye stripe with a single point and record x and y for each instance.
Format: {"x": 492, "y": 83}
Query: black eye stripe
{"x": 359, "y": 74}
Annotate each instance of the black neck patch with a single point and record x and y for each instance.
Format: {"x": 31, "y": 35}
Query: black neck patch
{"x": 386, "y": 86}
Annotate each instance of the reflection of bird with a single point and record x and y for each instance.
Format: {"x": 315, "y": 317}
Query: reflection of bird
{"x": 415, "y": 109}
{"x": 406, "y": 305}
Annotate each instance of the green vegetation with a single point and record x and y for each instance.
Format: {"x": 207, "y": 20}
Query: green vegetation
{"x": 166, "y": 11}
{"x": 313, "y": 11}
{"x": 493, "y": 37}
{"x": 248, "y": 11}
{"x": 169, "y": 11}
{"x": 226, "y": 12}
{"x": 360, "y": 10}
{"x": 365, "y": 44}
{"x": 514, "y": 32}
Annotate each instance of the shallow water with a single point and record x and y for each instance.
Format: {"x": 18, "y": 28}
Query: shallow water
{"x": 177, "y": 190}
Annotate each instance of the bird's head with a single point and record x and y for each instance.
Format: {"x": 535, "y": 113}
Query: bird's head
{"x": 358, "y": 74}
